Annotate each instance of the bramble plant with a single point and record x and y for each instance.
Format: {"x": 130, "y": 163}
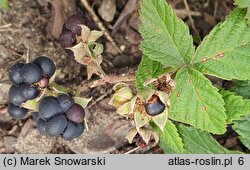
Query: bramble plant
{"x": 173, "y": 102}
{"x": 196, "y": 109}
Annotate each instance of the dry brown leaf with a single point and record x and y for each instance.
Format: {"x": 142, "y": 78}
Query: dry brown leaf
{"x": 107, "y": 10}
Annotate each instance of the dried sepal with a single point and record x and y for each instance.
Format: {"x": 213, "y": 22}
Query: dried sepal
{"x": 85, "y": 32}
{"x": 118, "y": 86}
{"x": 131, "y": 134}
{"x": 82, "y": 101}
{"x": 141, "y": 119}
{"x": 89, "y": 36}
{"x": 123, "y": 94}
{"x": 163, "y": 97}
{"x": 145, "y": 134}
{"x": 79, "y": 53}
{"x": 94, "y": 35}
{"x": 30, "y": 104}
{"x": 87, "y": 52}
{"x": 161, "y": 119}
{"x": 127, "y": 108}
{"x": 93, "y": 68}
{"x": 162, "y": 83}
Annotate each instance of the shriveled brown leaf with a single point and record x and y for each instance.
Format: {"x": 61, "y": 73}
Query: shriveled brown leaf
{"x": 130, "y": 7}
{"x": 107, "y": 10}
{"x": 58, "y": 17}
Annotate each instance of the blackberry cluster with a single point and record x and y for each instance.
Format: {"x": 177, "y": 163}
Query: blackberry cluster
{"x": 27, "y": 82}
{"x": 71, "y": 30}
{"x": 59, "y": 116}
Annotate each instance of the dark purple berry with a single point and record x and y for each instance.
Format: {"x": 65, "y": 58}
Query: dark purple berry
{"x": 46, "y": 64}
{"x": 29, "y": 92}
{"x": 76, "y": 113}
{"x": 35, "y": 116}
{"x": 56, "y": 125}
{"x": 73, "y": 130}
{"x": 43, "y": 83}
{"x": 40, "y": 124}
{"x": 48, "y": 107}
{"x": 15, "y": 96}
{"x": 67, "y": 39}
{"x": 73, "y": 22}
{"x": 154, "y": 106}
{"x": 15, "y": 74}
{"x": 16, "y": 111}
{"x": 65, "y": 101}
{"x": 31, "y": 73}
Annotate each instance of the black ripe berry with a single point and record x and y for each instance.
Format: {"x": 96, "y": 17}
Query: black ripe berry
{"x": 73, "y": 130}
{"x": 76, "y": 113}
{"x": 35, "y": 116}
{"x": 40, "y": 124}
{"x": 46, "y": 64}
{"x": 15, "y": 96}
{"x": 31, "y": 73}
{"x": 29, "y": 92}
{"x": 154, "y": 106}
{"x": 73, "y": 22}
{"x": 56, "y": 125}
{"x": 65, "y": 101}
{"x": 67, "y": 39}
{"x": 15, "y": 74}
{"x": 48, "y": 107}
{"x": 16, "y": 111}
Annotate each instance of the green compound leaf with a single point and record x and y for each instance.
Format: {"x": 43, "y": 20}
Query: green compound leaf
{"x": 196, "y": 102}
{"x": 235, "y": 106}
{"x": 146, "y": 70}
{"x": 199, "y": 142}
{"x": 242, "y": 88}
{"x": 166, "y": 37}
{"x": 4, "y": 4}
{"x": 170, "y": 140}
{"x": 242, "y": 127}
{"x": 224, "y": 53}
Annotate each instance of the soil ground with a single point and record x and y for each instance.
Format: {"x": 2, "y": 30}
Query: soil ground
{"x": 30, "y": 29}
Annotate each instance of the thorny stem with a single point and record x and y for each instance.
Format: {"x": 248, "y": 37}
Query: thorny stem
{"x": 110, "y": 79}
